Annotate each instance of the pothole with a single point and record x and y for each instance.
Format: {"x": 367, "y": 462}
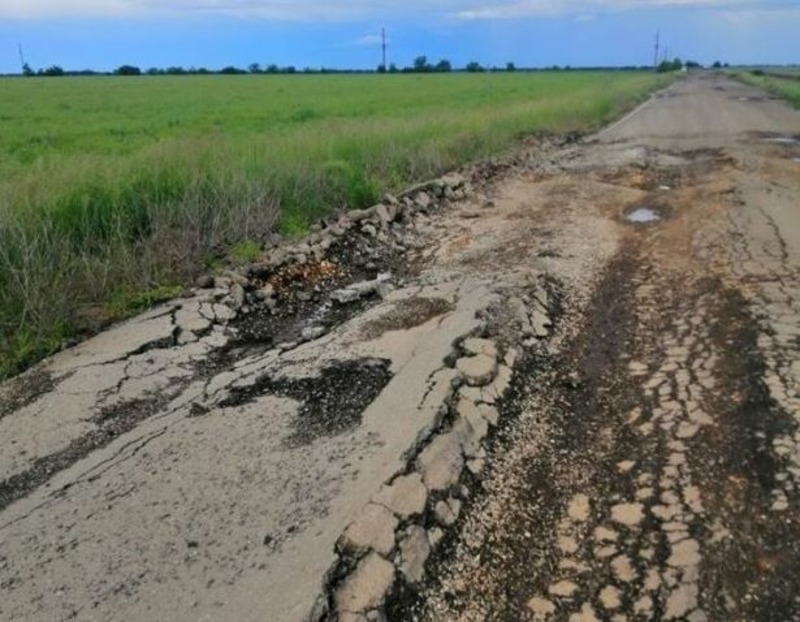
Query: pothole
{"x": 330, "y": 403}
{"x": 644, "y": 215}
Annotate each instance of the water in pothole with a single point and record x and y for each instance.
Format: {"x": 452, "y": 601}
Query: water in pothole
{"x": 643, "y": 215}
{"x": 783, "y": 140}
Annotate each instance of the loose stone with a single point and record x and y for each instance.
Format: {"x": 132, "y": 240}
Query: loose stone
{"x": 628, "y": 514}
{"x": 563, "y": 589}
{"x": 366, "y": 588}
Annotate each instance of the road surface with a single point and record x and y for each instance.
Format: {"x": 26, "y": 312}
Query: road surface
{"x": 562, "y": 386}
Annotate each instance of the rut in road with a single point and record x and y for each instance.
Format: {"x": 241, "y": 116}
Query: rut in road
{"x": 640, "y": 479}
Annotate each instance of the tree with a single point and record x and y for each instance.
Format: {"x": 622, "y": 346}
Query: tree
{"x": 443, "y": 66}
{"x": 272, "y": 68}
{"x": 254, "y": 68}
{"x": 717, "y": 65}
{"x": 392, "y": 68}
{"x": 381, "y": 68}
{"x": 53, "y": 71}
{"x": 128, "y": 70}
{"x": 670, "y": 65}
{"x": 26, "y": 70}
{"x": 474, "y": 67}
{"x": 231, "y": 70}
{"x": 421, "y": 64}
{"x": 511, "y": 66}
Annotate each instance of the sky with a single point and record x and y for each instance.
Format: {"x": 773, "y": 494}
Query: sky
{"x": 104, "y": 34}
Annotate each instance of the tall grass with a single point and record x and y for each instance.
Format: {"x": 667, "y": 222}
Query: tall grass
{"x": 113, "y": 188}
{"x": 785, "y": 86}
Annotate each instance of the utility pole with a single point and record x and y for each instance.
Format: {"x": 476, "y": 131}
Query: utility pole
{"x": 21, "y": 58}
{"x": 655, "y": 56}
{"x": 383, "y": 47}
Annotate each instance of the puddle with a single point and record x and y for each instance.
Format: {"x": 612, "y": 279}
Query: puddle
{"x": 644, "y": 215}
{"x": 783, "y": 140}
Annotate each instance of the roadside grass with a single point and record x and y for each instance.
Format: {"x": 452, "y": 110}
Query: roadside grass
{"x": 787, "y": 87}
{"x": 114, "y": 192}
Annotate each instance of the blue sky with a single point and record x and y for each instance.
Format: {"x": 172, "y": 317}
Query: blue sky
{"x": 103, "y": 34}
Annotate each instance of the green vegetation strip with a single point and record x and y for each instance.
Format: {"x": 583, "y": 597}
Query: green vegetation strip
{"x": 114, "y": 191}
{"x": 786, "y": 86}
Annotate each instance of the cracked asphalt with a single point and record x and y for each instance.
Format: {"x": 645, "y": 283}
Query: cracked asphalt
{"x": 650, "y": 472}
{"x": 647, "y": 461}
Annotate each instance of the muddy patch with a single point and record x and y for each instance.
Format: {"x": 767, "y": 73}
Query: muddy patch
{"x": 112, "y": 422}
{"x": 404, "y": 315}
{"x": 331, "y": 403}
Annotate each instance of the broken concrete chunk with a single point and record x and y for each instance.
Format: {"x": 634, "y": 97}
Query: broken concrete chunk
{"x": 473, "y": 394}
{"x": 354, "y": 292}
{"x": 311, "y": 333}
{"x": 472, "y": 427}
{"x": 476, "y": 466}
{"x": 447, "y": 512}
{"x": 406, "y": 496}
{"x": 502, "y": 381}
{"x": 477, "y": 370}
{"x": 237, "y": 294}
{"x": 453, "y": 180}
{"x": 510, "y": 358}
{"x": 520, "y": 312}
{"x": 344, "y": 296}
{"x": 422, "y": 200}
{"x": 474, "y": 346}
{"x": 358, "y": 215}
{"x": 414, "y": 552}
{"x": 441, "y": 462}
{"x": 367, "y": 586}
{"x": 373, "y": 530}
{"x": 540, "y": 322}
{"x": 205, "y": 281}
{"x": 490, "y": 414}
{"x": 382, "y": 212}
{"x": 223, "y": 313}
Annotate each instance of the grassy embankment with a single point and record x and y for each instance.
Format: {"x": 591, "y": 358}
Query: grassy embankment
{"x": 115, "y": 191}
{"x": 786, "y": 85}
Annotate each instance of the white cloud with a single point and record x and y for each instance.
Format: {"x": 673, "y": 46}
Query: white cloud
{"x": 370, "y": 41}
{"x": 352, "y": 10}
{"x": 25, "y": 9}
{"x": 516, "y": 9}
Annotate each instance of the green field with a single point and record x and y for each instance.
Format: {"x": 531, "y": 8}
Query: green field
{"x": 114, "y": 190}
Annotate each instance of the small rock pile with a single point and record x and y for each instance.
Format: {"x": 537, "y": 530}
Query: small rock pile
{"x": 389, "y": 544}
{"x": 318, "y": 257}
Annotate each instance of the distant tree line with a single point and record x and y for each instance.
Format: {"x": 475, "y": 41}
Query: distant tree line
{"x": 419, "y": 65}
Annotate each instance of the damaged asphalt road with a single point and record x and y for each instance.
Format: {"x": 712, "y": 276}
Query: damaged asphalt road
{"x": 495, "y": 397}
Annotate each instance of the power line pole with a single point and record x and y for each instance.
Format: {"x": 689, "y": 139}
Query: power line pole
{"x": 21, "y": 58}
{"x": 655, "y": 56}
{"x": 383, "y": 47}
